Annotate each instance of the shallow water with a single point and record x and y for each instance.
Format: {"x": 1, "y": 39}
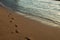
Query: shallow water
{"x": 47, "y": 11}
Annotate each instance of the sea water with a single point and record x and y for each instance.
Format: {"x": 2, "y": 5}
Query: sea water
{"x": 45, "y": 11}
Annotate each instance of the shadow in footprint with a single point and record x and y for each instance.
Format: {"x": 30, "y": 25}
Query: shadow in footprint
{"x": 27, "y": 38}
{"x": 16, "y": 25}
{"x": 9, "y": 14}
{"x": 11, "y": 21}
{"x": 12, "y": 18}
{"x": 16, "y": 31}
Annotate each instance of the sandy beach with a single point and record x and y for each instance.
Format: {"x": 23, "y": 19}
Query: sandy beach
{"x": 17, "y": 27}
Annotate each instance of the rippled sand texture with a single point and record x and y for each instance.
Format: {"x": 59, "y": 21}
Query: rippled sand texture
{"x": 17, "y": 27}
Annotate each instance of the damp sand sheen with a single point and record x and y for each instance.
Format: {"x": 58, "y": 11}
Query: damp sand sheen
{"x": 46, "y": 12}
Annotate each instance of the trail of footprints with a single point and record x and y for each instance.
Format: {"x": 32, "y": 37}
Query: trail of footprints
{"x": 16, "y": 30}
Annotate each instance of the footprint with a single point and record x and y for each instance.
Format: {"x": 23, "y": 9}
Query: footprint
{"x": 27, "y": 38}
{"x": 16, "y": 25}
{"x": 11, "y": 21}
{"x": 16, "y": 31}
{"x": 12, "y": 32}
{"x": 9, "y": 14}
{"x": 12, "y": 18}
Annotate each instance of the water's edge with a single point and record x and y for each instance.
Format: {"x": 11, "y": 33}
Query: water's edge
{"x": 42, "y": 19}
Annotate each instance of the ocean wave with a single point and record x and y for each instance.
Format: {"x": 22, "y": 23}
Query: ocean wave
{"x": 48, "y": 11}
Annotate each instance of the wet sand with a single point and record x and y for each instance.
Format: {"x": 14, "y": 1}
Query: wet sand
{"x": 17, "y": 27}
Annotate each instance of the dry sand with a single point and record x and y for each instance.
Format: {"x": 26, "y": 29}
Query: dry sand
{"x": 17, "y": 27}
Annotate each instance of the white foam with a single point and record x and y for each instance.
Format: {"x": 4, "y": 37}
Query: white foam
{"x": 34, "y": 18}
{"x": 39, "y": 20}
